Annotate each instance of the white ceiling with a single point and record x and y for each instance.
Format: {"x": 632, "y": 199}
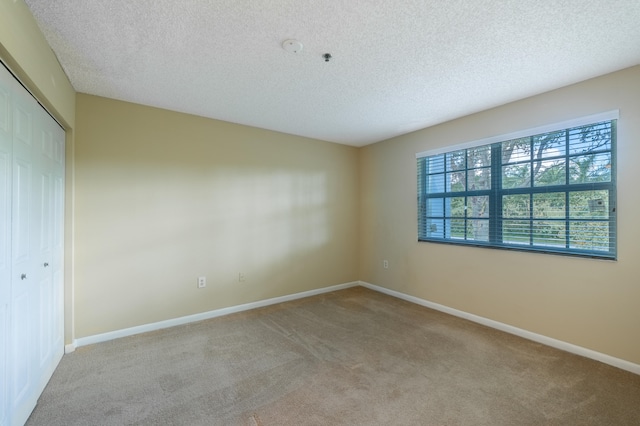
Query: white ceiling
{"x": 397, "y": 66}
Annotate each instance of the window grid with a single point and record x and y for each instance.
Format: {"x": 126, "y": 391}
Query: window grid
{"x": 563, "y": 180}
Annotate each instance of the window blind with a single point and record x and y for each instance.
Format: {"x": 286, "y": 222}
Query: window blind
{"x": 552, "y": 192}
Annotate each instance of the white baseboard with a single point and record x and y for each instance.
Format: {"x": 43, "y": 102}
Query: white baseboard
{"x": 539, "y": 338}
{"x": 89, "y": 340}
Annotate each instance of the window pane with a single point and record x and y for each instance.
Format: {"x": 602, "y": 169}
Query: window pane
{"x": 435, "y": 184}
{"x": 516, "y": 206}
{"x": 455, "y": 160}
{"x": 456, "y": 181}
{"x": 435, "y": 164}
{"x": 480, "y": 179}
{"x": 549, "y": 233}
{"x": 589, "y": 204}
{"x": 454, "y": 207}
{"x": 549, "y": 205}
{"x": 589, "y": 235}
{"x": 435, "y": 207}
{"x": 478, "y": 206}
{"x": 590, "y": 168}
{"x": 478, "y": 230}
{"x": 516, "y": 176}
{"x": 455, "y": 229}
{"x": 515, "y": 231}
{"x": 549, "y": 145}
{"x": 549, "y": 172}
{"x": 479, "y": 157}
{"x": 592, "y": 138}
{"x": 516, "y": 150}
{"x": 435, "y": 228}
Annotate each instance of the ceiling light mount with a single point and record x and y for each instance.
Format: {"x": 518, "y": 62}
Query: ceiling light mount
{"x": 292, "y": 46}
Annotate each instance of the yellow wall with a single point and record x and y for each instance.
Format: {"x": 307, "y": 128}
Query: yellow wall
{"x": 590, "y": 303}
{"x": 164, "y": 197}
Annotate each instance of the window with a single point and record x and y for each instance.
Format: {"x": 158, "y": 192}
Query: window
{"x": 551, "y": 192}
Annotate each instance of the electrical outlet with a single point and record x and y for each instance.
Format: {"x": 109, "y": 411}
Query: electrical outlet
{"x": 385, "y": 264}
{"x": 202, "y": 282}
{"x": 241, "y": 277}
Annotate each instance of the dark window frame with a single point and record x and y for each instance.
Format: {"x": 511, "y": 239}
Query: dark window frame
{"x": 451, "y": 226}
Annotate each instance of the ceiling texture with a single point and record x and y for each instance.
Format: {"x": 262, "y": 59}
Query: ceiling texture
{"x": 396, "y": 65}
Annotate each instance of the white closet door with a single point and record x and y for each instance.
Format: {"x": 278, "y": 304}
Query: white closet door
{"x": 47, "y": 291}
{"x": 48, "y": 251}
{"x": 32, "y": 221}
{"x": 25, "y": 303}
{"x": 5, "y": 247}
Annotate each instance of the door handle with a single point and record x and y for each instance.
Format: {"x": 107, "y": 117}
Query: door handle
{"x": 23, "y": 276}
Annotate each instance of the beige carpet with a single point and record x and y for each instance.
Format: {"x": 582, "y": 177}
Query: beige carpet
{"x": 352, "y": 357}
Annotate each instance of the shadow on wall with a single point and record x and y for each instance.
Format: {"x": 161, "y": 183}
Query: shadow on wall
{"x": 277, "y": 213}
{"x": 232, "y": 216}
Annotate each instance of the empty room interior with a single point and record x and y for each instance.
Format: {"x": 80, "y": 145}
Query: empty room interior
{"x": 292, "y": 213}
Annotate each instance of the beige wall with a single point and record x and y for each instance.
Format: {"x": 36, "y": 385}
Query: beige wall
{"x": 164, "y": 197}
{"x": 590, "y": 303}
{"x": 25, "y": 51}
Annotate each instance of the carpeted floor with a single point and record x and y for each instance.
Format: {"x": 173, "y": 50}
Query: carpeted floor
{"x": 352, "y": 357}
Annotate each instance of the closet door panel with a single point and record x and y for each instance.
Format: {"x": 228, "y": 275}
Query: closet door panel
{"x": 25, "y": 276}
{"x": 21, "y": 206}
{"x": 44, "y": 250}
{"x": 21, "y": 345}
{"x": 44, "y": 328}
{"x": 5, "y": 216}
{"x": 22, "y": 287}
{"x": 5, "y": 247}
{"x": 22, "y": 184}
{"x": 57, "y": 256}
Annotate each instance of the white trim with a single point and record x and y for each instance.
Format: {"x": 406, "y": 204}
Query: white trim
{"x": 26, "y": 87}
{"x": 539, "y": 338}
{"x": 89, "y": 340}
{"x": 580, "y": 121}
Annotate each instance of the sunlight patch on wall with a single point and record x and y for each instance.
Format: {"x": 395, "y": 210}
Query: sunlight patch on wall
{"x": 268, "y": 216}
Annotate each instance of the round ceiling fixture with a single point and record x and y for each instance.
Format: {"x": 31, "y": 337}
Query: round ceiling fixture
{"x": 292, "y": 46}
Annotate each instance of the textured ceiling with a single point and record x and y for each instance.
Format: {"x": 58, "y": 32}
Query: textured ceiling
{"x": 397, "y": 66}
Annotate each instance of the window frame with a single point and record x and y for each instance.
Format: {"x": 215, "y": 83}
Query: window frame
{"x": 496, "y": 194}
